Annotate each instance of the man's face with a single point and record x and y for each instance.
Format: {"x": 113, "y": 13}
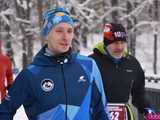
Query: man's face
{"x": 116, "y": 49}
{"x": 60, "y": 38}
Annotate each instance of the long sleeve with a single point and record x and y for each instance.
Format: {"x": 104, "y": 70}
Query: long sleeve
{"x": 9, "y": 74}
{"x": 138, "y": 91}
{"x": 100, "y": 111}
{"x": 15, "y": 98}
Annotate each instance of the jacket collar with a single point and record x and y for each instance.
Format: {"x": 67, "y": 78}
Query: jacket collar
{"x": 45, "y": 58}
{"x": 99, "y": 49}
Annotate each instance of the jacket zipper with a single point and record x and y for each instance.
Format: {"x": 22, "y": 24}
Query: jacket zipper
{"x": 117, "y": 66}
{"x": 65, "y": 89}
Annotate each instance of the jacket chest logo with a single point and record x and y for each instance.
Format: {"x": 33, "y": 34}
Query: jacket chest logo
{"x": 47, "y": 85}
{"x": 81, "y": 79}
{"x": 129, "y": 70}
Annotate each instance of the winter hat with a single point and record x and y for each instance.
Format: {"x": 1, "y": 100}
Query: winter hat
{"x": 113, "y": 32}
{"x": 53, "y": 17}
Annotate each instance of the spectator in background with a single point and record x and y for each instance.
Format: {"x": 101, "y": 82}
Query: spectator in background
{"x": 58, "y": 84}
{"x": 6, "y": 76}
{"x": 122, "y": 74}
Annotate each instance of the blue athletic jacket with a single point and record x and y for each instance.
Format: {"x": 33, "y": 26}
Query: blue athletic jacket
{"x": 57, "y": 88}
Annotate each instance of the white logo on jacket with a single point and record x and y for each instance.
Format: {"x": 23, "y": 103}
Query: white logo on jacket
{"x": 129, "y": 70}
{"x": 82, "y": 79}
{"x": 47, "y": 85}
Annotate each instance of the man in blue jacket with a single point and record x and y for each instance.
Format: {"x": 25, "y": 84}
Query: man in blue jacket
{"x": 58, "y": 84}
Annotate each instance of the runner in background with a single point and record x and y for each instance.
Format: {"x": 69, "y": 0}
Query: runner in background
{"x": 122, "y": 74}
{"x": 6, "y": 75}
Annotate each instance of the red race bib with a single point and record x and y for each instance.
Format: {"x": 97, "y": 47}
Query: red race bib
{"x": 117, "y": 111}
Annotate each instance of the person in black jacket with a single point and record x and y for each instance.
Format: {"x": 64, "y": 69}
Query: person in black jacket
{"x": 122, "y": 74}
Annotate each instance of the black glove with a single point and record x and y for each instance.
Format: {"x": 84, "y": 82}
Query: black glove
{"x": 149, "y": 110}
{"x": 148, "y": 113}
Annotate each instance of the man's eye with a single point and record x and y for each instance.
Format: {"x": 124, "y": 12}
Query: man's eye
{"x": 59, "y": 30}
{"x": 70, "y": 31}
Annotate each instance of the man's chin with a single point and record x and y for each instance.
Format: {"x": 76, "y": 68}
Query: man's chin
{"x": 65, "y": 49}
{"x": 117, "y": 56}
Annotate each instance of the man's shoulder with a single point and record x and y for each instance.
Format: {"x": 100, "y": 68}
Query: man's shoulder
{"x": 83, "y": 57}
{"x": 4, "y": 58}
{"x": 85, "y": 61}
{"x": 132, "y": 59}
{"x": 94, "y": 55}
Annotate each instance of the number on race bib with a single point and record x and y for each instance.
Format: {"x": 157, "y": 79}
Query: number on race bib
{"x": 114, "y": 115}
{"x": 117, "y": 111}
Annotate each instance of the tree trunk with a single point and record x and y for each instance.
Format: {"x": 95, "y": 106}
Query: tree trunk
{"x": 155, "y": 37}
{"x": 40, "y": 19}
{"x": 24, "y": 53}
{"x": 114, "y": 13}
{"x": 155, "y": 54}
{"x": 29, "y": 36}
{"x": 27, "y": 43}
{"x": 132, "y": 35}
{"x": 9, "y": 44}
{"x": 7, "y": 28}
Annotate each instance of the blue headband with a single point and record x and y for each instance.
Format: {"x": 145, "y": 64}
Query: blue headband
{"x": 54, "y": 17}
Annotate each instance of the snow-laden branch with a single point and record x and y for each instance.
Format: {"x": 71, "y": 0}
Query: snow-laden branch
{"x": 152, "y": 24}
{"x": 112, "y": 9}
{"x": 4, "y": 14}
{"x": 35, "y": 30}
{"x": 85, "y": 13}
{"x": 23, "y": 20}
{"x": 8, "y": 11}
{"x": 107, "y": 13}
{"x": 5, "y": 19}
{"x": 23, "y": 4}
{"x": 137, "y": 10}
{"x": 85, "y": 3}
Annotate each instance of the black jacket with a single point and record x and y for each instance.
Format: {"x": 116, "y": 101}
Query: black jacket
{"x": 122, "y": 79}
